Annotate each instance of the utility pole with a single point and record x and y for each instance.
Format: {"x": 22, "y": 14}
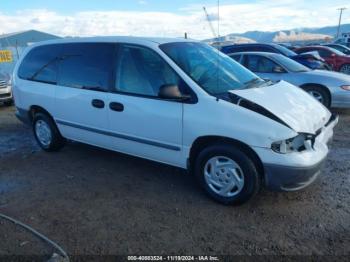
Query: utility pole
{"x": 340, "y": 15}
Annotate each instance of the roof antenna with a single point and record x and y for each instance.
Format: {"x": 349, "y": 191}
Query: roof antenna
{"x": 218, "y": 51}
{"x": 219, "y": 20}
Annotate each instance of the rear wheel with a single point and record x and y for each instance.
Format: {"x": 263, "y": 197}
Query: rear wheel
{"x": 345, "y": 69}
{"x": 320, "y": 94}
{"x": 46, "y": 133}
{"x": 227, "y": 174}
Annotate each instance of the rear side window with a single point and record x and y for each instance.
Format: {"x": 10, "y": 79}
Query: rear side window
{"x": 87, "y": 66}
{"x": 40, "y": 64}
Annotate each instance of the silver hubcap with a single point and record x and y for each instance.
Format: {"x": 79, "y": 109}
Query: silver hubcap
{"x": 43, "y": 132}
{"x": 224, "y": 176}
{"x": 345, "y": 69}
{"x": 316, "y": 95}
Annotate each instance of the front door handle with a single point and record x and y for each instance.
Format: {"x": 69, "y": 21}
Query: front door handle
{"x": 98, "y": 103}
{"x": 116, "y": 106}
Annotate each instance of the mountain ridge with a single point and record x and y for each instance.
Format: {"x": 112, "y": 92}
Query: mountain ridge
{"x": 269, "y": 36}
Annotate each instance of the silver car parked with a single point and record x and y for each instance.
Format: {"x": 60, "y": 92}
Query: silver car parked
{"x": 331, "y": 88}
{"x": 5, "y": 89}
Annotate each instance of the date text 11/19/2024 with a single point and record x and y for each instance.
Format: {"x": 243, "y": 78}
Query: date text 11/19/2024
{"x": 173, "y": 258}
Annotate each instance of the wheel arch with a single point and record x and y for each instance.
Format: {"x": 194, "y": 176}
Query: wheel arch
{"x": 321, "y": 86}
{"x": 204, "y": 141}
{"x": 37, "y": 109}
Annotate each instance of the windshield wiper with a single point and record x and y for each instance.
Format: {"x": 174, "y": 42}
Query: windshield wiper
{"x": 252, "y": 82}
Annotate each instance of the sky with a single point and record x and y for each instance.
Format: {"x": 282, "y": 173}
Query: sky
{"x": 166, "y": 18}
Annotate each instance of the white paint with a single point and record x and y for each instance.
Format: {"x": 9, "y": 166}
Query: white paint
{"x": 178, "y": 124}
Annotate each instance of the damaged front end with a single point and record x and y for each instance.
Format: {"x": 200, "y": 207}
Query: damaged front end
{"x": 294, "y": 162}
{"x": 284, "y": 103}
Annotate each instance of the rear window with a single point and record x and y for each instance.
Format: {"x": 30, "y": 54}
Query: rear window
{"x": 40, "y": 64}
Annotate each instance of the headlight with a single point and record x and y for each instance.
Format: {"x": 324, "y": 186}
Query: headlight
{"x": 296, "y": 144}
{"x": 346, "y": 87}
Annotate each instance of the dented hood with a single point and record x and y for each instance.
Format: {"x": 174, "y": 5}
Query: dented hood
{"x": 293, "y": 106}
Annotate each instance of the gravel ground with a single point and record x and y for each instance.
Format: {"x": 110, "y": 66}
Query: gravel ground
{"x": 97, "y": 202}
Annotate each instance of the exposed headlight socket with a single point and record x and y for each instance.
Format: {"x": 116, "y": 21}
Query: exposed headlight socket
{"x": 296, "y": 144}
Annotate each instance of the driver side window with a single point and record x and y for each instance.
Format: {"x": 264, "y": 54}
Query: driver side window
{"x": 141, "y": 71}
{"x": 260, "y": 64}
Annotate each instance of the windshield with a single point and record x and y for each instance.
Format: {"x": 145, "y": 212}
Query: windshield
{"x": 284, "y": 50}
{"x": 215, "y": 72}
{"x": 290, "y": 64}
{"x": 336, "y": 51}
{"x": 340, "y": 48}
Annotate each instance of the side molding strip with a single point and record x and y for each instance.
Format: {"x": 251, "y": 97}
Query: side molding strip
{"x": 108, "y": 133}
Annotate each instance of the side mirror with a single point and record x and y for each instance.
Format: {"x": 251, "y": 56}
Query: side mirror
{"x": 278, "y": 69}
{"x": 172, "y": 92}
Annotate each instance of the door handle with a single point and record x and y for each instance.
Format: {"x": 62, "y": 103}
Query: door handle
{"x": 116, "y": 106}
{"x": 98, "y": 103}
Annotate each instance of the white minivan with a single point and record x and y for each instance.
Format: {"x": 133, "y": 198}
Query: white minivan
{"x": 178, "y": 102}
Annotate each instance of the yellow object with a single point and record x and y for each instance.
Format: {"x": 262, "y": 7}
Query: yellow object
{"x": 5, "y": 56}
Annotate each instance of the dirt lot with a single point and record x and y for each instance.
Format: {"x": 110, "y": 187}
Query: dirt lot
{"x": 94, "y": 201}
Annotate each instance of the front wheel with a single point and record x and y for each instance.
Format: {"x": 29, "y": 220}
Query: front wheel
{"x": 320, "y": 94}
{"x": 227, "y": 174}
{"x": 46, "y": 133}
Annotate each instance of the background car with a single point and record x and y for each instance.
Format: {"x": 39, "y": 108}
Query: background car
{"x": 330, "y": 88}
{"x": 310, "y": 60}
{"x": 5, "y": 89}
{"x": 342, "y": 48}
{"x": 289, "y": 46}
{"x": 341, "y": 41}
{"x": 338, "y": 60}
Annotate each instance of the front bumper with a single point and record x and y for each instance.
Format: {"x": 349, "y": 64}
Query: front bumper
{"x": 294, "y": 171}
{"x": 5, "y": 94}
{"x": 285, "y": 178}
{"x": 340, "y": 98}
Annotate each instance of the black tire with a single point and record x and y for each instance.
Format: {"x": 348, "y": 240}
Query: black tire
{"x": 8, "y": 103}
{"x": 56, "y": 141}
{"x": 326, "y": 99}
{"x": 345, "y": 69}
{"x": 252, "y": 179}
